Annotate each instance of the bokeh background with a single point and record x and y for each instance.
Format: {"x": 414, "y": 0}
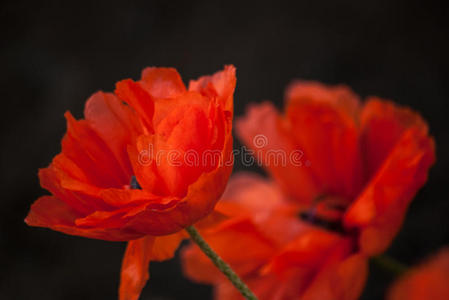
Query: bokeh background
{"x": 55, "y": 54}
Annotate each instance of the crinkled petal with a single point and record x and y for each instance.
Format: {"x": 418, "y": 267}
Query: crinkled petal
{"x": 115, "y": 122}
{"x": 220, "y": 85}
{"x": 139, "y": 99}
{"x": 89, "y": 152}
{"x": 120, "y": 218}
{"x": 202, "y": 195}
{"x": 162, "y": 82}
{"x": 59, "y": 179}
{"x": 50, "y": 212}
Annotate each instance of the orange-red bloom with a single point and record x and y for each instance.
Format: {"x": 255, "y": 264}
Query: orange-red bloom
{"x": 428, "y": 281}
{"x": 136, "y": 166}
{"x": 276, "y": 253}
{"x": 359, "y": 168}
{"x": 361, "y": 165}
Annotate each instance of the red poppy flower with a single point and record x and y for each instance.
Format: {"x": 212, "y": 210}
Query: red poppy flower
{"x": 148, "y": 160}
{"x": 278, "y": 255}
{"x": 360, "y": 164}
{"x": 346, "y": 174}
{"x": 427, "y": 281}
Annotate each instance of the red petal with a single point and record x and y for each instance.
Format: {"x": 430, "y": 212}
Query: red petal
{"x": 162, "y": 82}
{"x": 380, "y": 208}
{"x": 138, "y": 98}
{"x": 65, "y": 180}
{"x": 138, "y": 255}
{"x": 324, "y": 124}
{"x": 343, "y": 280}
{"x": 221, "y": 85}
{"x": 143, "y": 157}
{"x": 115, "y": 123}
{"x": 121, "y": 197}
{"x": 202, "y": 195}
{"x": 165, "y": 246}
{"x": 90, "y": 153}
{"x": 183, "y": 133}
{"x": 138, "y": 201}
{"x": 250, "y": 248}
{"x": 427, "y": 281}
{"x": 50, "y": 212}
{"x": 263, "y": 132}
{"x": 262, "y": 200}
{"x": 134, "y": 274}
{"x": 309, "y": 251}
{"x": 383, "y": 124}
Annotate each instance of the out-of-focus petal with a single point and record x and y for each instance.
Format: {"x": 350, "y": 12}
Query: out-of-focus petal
{"x": 266, "y": 287}
{"x": 324, "y": 125}
{"x": 253, "y": 196}
{"x": 383, "y": 124}
{"x": 381, "y": 207}
{"x": 309, "y": 251}
{"x": 427, "y": 281}
{"x": 249, "y": 248}
{"x": 262, "y": 130}
{"x": 344, "y": 280}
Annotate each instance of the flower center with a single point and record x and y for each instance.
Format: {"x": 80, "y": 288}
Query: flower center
{"x": 326, "y": 212}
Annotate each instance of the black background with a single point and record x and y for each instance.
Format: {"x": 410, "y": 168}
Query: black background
{"x": 55, "y": 54}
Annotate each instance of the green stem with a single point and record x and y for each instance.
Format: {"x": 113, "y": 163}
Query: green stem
{"x": 220, "y": 264}
{"x": 390, "y": 264}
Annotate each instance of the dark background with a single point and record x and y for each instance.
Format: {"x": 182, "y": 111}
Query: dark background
{"x": 54, "y": 55}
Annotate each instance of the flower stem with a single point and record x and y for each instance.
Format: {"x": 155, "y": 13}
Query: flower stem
{"x": 390, "y": 264}
{"x": 220, "y": 264}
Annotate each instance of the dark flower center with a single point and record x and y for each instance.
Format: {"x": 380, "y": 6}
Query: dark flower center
{"x": 326, "y": 212}
{"x": 134, "y": 184}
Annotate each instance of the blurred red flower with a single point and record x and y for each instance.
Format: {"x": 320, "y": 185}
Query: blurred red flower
{"x": 278, "y": 255}
{"x": 361, "y": 165}
{"x": 344, "y": 201}
{"x": 427, "y": 281}
{"x": 124, "y": 172}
